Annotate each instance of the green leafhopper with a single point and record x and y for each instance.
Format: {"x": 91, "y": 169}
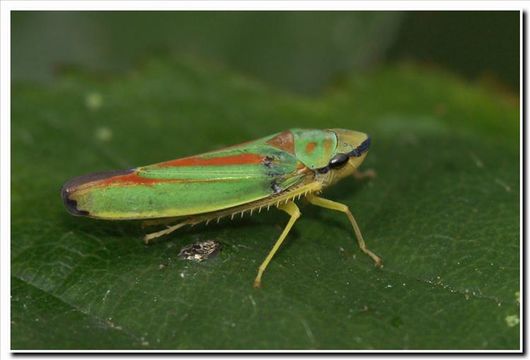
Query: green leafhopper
{"x": 270, "y": 172}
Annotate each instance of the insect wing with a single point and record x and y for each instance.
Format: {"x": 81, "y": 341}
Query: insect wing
{"x": 198, "y": 184}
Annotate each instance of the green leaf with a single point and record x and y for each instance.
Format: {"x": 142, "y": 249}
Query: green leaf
{"x": 443, "y": 213}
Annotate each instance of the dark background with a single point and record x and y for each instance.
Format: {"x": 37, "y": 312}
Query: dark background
{"x": 306, "y": 52}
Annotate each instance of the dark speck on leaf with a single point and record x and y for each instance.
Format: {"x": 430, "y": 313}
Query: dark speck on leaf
{"x": 200, "y": 251}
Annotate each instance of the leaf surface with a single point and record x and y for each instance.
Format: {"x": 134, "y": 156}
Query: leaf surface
{"x": 443, "y": 213}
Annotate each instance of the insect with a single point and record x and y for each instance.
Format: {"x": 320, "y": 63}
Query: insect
{"x": 243, "y": 179}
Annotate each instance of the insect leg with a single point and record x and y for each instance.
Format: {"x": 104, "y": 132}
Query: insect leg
{"x": 291, "y": 209}
{"x": 154, "y": 222}
{"x": 151, "y": 236}
{"x": 332, "y": 205}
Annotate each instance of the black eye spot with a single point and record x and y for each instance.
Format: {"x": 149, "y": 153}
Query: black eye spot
{"x": 338, "y": 160}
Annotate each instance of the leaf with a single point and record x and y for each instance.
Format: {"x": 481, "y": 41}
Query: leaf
{"x": 443, "y": 213}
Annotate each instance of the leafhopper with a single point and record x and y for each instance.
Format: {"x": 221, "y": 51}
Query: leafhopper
{"x": 274, "y": 171}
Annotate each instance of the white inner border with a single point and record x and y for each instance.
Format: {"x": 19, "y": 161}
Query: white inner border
{"x": 6, "y": 6}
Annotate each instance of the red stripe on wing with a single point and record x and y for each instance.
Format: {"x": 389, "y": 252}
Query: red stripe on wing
{"x": 242, "y": 159}
{"x": 131, "y": 179}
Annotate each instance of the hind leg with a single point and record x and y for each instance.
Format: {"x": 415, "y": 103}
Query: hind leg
{"x": 149, "y": 237}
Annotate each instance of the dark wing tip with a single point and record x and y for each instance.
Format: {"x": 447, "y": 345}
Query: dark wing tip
{"x": 70, "y": 186}
{"x": 69, "y": 204}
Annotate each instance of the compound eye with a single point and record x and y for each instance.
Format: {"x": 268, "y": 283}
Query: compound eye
{"x": 338, "y": 161}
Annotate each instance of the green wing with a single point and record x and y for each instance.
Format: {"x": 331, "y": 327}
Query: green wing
{"x": 199, "y": 184}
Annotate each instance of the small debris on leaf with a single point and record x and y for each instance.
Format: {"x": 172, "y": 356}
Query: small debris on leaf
{"x": 200, "y": 251}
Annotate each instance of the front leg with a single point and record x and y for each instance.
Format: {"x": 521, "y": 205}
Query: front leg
{"x": 332, "y": 205}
